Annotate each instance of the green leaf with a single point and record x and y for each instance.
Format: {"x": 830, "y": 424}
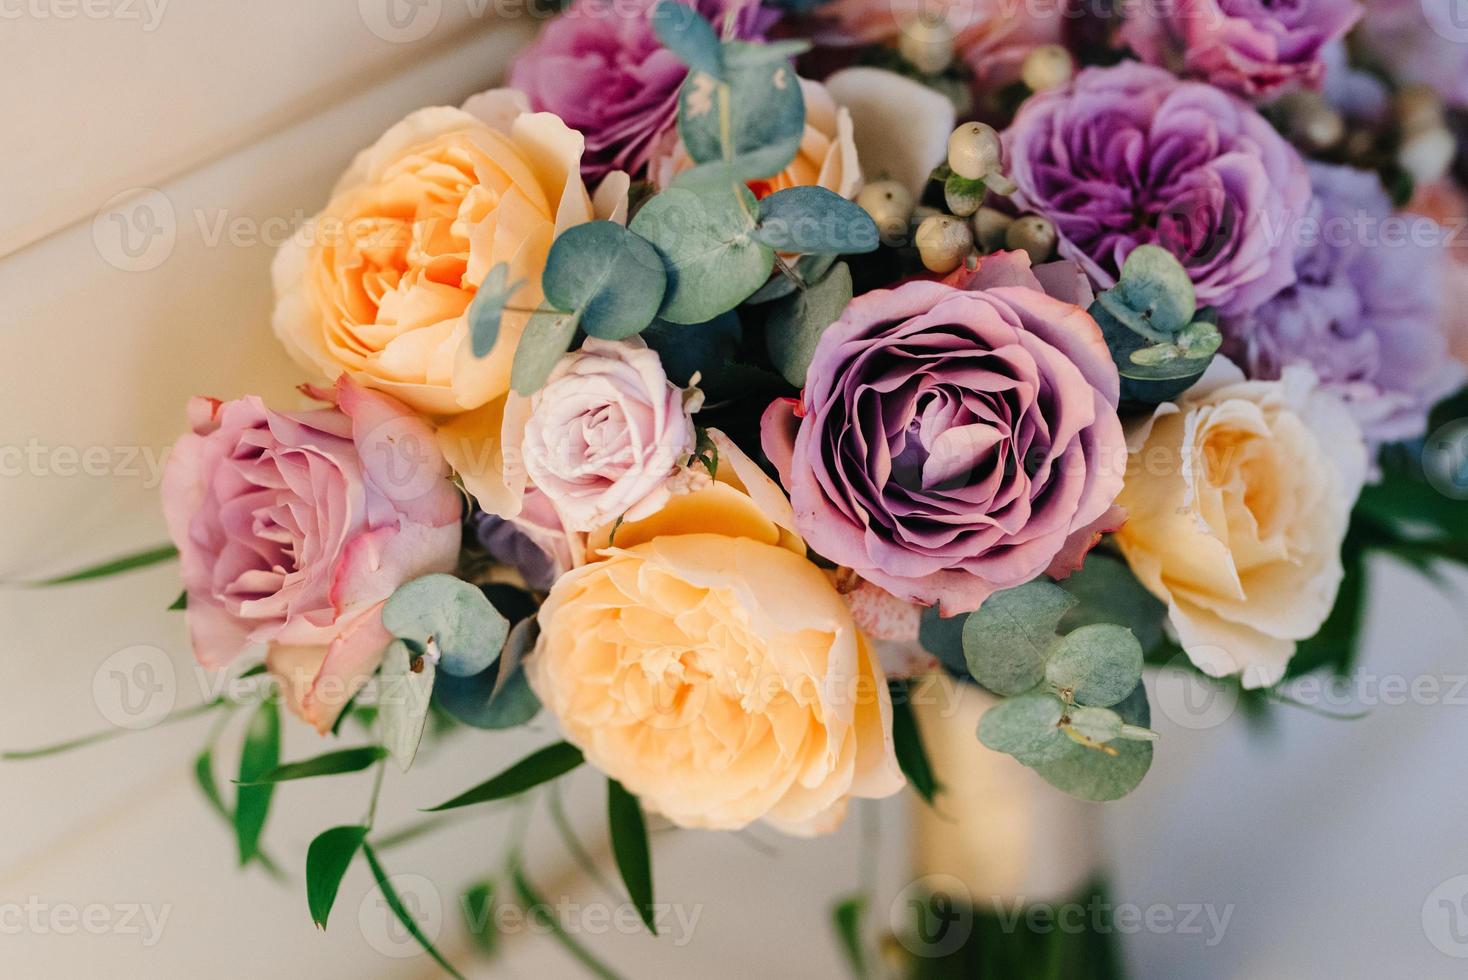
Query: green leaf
{"x": 943, "y": 638}
{"x": 405, "y": 689}
{"x": 478, "y": 909}
{"x": 181, "y": 603}
{"x": 488, "y": 308}
{"x": 629, "y": 847}
{"x": 687, "y": 349}
{"x": 1027, "y": 727}
{"x": 1100, "y": 725}
{"x": 327, "y": 860}
{"x": 260, "y": 755}
{"x": 754, "y": 119}
{"x": 484, "y": 702}
{"x": 706, "y": 241}
{"x": 1108, "y": 592}
{"x": 612, "y": 279}
{"x": 907, "y": 743}
{"x": 808, "y": 268}
{"x": 204, "y": 776}
{"x": 846, "y": 917}
{"x": 685, "y": 32}
{"x": 814, "y": 220}
{"x": 796, "y": 324}
{"x": 395, "y": 903}
{"x": 1006, "y": 640}
{"x": 540, "y": 767}
{"x": 1154, "y": 295}
{"x": 547, "y": 337}
{"x": 457, "y": 617}
{"x": 114, "y": 566}
{"x": 1091, "y": 774}
{"x": 541, "y": 910}
{"x": 1099, "y": 664}
{"x": 335, "y": 763}
{"x": 23, "y": 755}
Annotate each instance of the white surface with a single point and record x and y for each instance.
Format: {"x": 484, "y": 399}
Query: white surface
{"x": 1326, "y": 837}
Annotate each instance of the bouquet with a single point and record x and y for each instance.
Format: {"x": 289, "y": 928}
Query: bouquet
{"x": 738, "y": 365}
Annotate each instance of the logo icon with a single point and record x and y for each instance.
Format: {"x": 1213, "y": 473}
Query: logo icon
{"x": 135, "y": 231}
{"x": 135, "y": 688}
{"x": 1445, "y": 460}
{"x": 400, "y": 21}
{"x": 1445, "y": 917}
{"x": 933, "y": 916}
{"x": 383, "y": 930}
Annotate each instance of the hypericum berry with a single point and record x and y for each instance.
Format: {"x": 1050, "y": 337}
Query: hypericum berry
{"x": 890, "y": 206}
{"x": 1428, "y": 154}
{"x": 974, "y": 151}
{"x": 1418, "y": 109}
{"x": 990, "y": 228}
{"x": 927, "y": 43}
{"x": 1048, "y": 66}
{"x": 943, "y": 242}
{"x": 1034, "y": 235}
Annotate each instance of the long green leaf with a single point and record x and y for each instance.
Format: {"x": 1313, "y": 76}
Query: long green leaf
{"x": 327, "y": 861}
{"x": 907, "y": 742}
{"x": 261, "y": 754}
{"x": 539, "y": 767}
{"x": 478, "y": 910}
{"x": 204, "y": 776}
{"x": 846, "y": 917}
{"x": 114, "y": 566}
{"x": 329, "y": 764}
{"x": 398, "y": 909}
{"x": 542, "y": 910}
{"x": 22, "y": 755}
{"x": 629, "y": 847}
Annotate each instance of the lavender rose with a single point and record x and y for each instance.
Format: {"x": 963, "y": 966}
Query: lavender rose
{"x": 600, "y": 67}
{"x": 293, "y": 529}
{"x": 951, "y": 441}
{"x": 1365, "y": 312}
{"x": 1420, "y": 41}
{"x": 1129, "y": 155}
{"x": 1254, "y": 48}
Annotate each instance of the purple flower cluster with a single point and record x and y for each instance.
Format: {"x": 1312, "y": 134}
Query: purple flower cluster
{"x": 601, "y": 68}
{"x": 1364, "y": 311}
{"x": 1129, "y": 155}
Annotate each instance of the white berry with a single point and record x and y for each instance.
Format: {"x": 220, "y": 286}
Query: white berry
{"x": 1048, "y": 66}
{"x": 974, "y": 151}
{"x": 927, "y": 43}
{"x": 990, "y": 228}
{"x": 1034, "y": 235}
{"x": 943, "y": 242}
{"x": 890, "y": 206}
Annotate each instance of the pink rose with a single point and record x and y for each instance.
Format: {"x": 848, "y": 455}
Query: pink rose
{"x": 604, "y": 437}
{"x": 293, "y": 529}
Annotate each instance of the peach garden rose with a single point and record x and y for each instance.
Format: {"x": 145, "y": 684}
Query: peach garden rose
{"x": 702, "y": 661}
{"x": 379, "y": 283}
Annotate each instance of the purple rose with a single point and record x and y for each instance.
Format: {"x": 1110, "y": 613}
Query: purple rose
{"x": 1365, "y": 311}
{"x": 534, "y": 542}
{"x": 951, "y": 441}
{"x": 1128, "y": 155}
{"x": 1255, "y": 48}
{"x": 600, "y": 67}
{"x": 1423, "y": 41}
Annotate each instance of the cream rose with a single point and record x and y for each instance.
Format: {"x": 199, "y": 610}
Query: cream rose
{"x": 701, "y": 660}
{"x": 1238, "y": 498}
{"x": 378, "y": 284}
{"x": 826, "y": 158}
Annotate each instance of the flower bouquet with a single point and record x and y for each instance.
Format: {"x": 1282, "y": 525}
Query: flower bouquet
{"x": 737, "y": 366}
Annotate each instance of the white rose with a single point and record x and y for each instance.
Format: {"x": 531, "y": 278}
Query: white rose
{"x": 1238, "y": 499}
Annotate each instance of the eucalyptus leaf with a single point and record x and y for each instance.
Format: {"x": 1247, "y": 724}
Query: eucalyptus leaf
{"x": 547, "y": 337}
{"x": 1107, "y": 591}
{"x": 1154, "y": 287}
{"x": 463, "y": 624}
{"x": 612, "y": 279}
{"x": 482, "y": 701}
{"x": 812, "y": 220}
{"x": 755, "y": 115}
{"x": 630, "y": 848}
{"x": 687, "y": 349}
{"x": 1099, "y": 664}
{"x": 1006, "y": 640}
{"x": 1100, "y": 725}
{"x": 488, "y": 308}
{"x": 1026, "y": 727}
{"x": 261, "y": 754}
{"x": 942, "y": 636}
{"x": 403, "y": 699}
{"x": 1091, "y": 774}
{"x": 327, "y": 860}
{"x": 796, "y": 323}
{"x": 809, "y": 269}
{"x": 540, "y": 767}
{"x": 685, "y": 32}
{"x": 706, "y": 241}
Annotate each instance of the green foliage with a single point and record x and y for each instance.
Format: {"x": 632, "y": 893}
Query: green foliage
{"x": 114, "y": 566}
{"x": 336, "y": 763}
{"x": 630, "y": 848}
{"x": 547, "y": 336}
{"x": 1099, "y": 664}
{"x": 540, "y": 767}
{"x": 751, "y": 118}
{"x": 1006, "y": 640}
{"x": 1107, "y": 772}
{"x": 814, "y": 220}
{"x": 327, "y": 860}
{"x": 1148, "y": 321}
{"x": 907, "y": 744}
{"x": 687, "y": 349}
{"x": 488, "y": 309}
{"x": 1026, "y": 727}
{"x": 846, "y": 916}
{"x": 405, "y": 686}
{"x": 706, "y": 240}
{"x": 685, "y": 32}
{"x": 609, "y": 277}
{"x": 544, "y": 913}
{"x": 1106, "y": 591}
{"x": 401, "y": 913}
{"x": 478, "y": 909}
{"x": 796, "y": 323}
{"x": 943, "y": 638}
{"x": 456, "y": 617}
{"x": 260, "y": 755}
